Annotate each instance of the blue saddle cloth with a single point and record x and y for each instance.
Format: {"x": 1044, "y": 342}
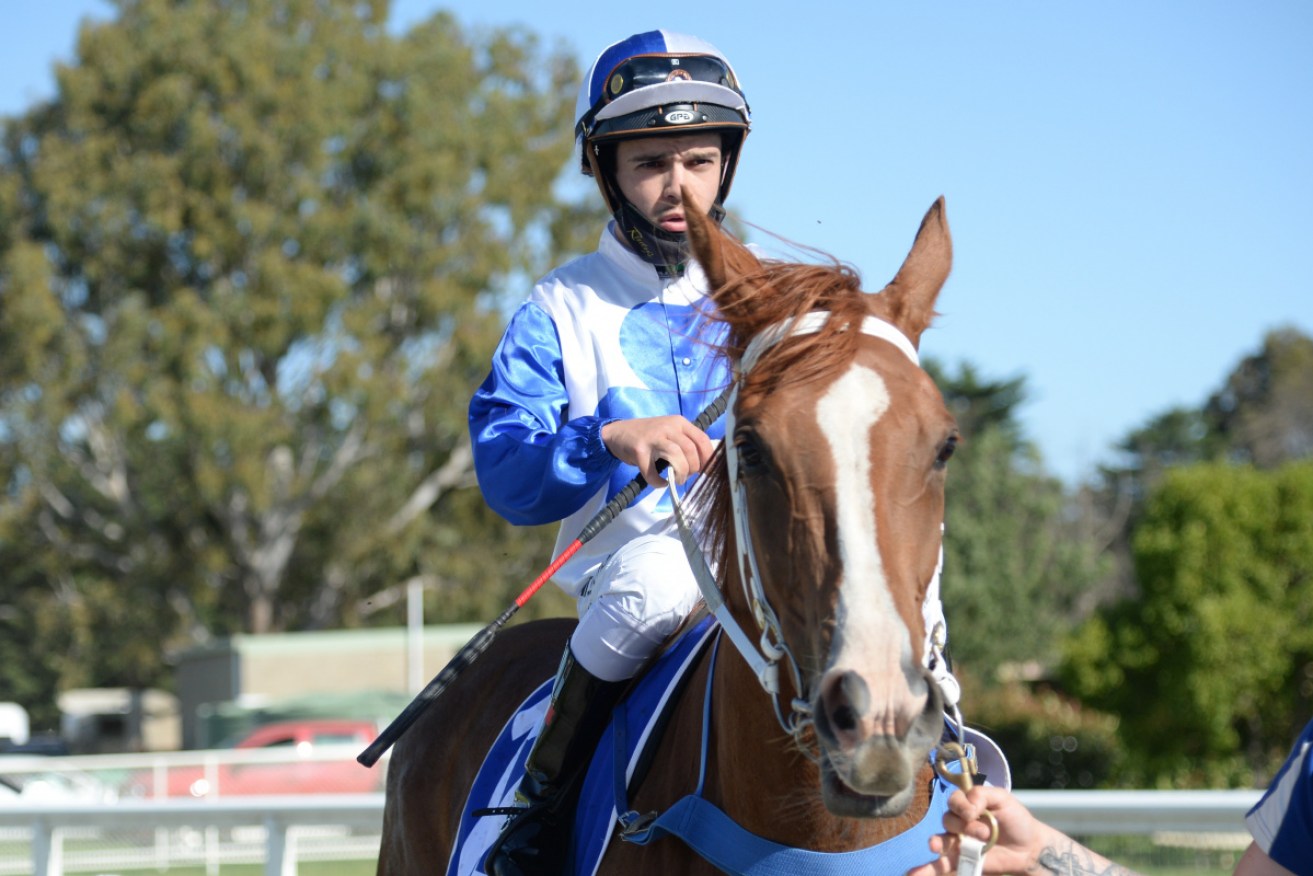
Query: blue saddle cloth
{"x": 501, "y": 771}
{"x": 695, "y": 821}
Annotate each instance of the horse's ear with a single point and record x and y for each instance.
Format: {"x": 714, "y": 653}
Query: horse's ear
{"x": 723, "y": 259}
{"x": 912, "y": 292}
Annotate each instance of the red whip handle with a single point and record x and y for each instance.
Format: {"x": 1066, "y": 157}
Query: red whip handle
{"x": 547, "y": 573}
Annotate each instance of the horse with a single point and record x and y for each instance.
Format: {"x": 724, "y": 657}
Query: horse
{"x": 823, "y": 508}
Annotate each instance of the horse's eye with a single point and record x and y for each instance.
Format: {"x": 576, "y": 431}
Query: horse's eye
{"x": 750, "y": 456}
{"x": 946, "y": 451}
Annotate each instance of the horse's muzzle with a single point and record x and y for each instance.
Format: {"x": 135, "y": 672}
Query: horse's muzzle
{"x": 872, "y": 752}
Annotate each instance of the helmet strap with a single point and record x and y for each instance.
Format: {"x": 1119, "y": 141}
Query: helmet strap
{"x": 667, "y": 251}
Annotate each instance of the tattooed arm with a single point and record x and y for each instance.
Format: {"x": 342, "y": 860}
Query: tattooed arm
{"x": 1066, "y": 857}
{"x": 1025, "y": 844}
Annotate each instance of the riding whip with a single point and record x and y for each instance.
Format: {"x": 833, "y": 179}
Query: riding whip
{"x": 477, "y": 645}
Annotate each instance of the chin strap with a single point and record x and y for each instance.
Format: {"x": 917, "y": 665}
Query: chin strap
{"x": 667, "y": 251}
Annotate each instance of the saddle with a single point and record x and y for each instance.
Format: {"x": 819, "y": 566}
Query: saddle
{"x": 636, "y": 721}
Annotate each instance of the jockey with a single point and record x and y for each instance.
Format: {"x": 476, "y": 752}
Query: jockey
{"x": 599, "y": 376}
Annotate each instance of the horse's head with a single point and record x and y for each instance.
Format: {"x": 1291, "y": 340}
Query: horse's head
{"x": 839, "y": 443}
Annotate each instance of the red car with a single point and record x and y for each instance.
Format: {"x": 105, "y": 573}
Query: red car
{"x": 312, "y": 756}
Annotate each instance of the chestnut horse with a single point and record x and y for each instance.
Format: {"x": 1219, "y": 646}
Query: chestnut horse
{"x": 834, "y": 458}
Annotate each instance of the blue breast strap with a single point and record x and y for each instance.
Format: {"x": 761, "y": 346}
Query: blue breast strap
{"x": 707, "y": 830}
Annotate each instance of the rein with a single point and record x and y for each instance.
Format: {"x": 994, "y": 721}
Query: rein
{"x": 770, "y": 650}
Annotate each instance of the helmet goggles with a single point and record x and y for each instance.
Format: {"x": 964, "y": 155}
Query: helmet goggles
{"x": 698, "y": 89}
{"x": 645, "y": 70}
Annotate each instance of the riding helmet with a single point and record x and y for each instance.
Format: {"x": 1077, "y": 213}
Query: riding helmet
{"x": 654, "y": 83}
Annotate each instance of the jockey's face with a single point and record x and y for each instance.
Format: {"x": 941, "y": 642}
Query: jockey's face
{"x": 652, "y": 173}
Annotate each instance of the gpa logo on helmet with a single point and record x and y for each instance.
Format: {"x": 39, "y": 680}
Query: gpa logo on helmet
{"x": 680, "y": 117}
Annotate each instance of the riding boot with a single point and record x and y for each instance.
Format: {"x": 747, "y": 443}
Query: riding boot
{"x": 536, "y": 840}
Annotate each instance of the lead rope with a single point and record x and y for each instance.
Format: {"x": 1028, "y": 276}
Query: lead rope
{"x": 970, "y": 851}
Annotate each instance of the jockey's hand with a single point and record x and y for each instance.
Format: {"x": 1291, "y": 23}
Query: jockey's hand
{"x": 1025, "y": 844}
{"x": 645, "y": 441}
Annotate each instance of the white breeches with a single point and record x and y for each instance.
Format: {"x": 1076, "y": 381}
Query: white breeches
{"x": 631, "y": 604}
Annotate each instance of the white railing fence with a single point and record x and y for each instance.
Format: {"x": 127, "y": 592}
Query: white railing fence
{"x": 1094, "y": 813}
{"x": 282, "y": 832}
{"x": 187, "y": 810}
{"x": 152, "y": 835}
{"x": 114, "y": 814}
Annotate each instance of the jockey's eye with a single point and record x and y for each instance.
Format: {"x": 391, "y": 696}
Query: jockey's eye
{"x": 946, "y": 451}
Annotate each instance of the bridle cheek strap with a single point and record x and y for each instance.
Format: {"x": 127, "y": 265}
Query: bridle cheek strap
{"x": 763, "y": 657}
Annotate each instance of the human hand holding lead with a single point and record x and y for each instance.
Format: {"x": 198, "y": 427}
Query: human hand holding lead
{"x": 1025, "y": 844}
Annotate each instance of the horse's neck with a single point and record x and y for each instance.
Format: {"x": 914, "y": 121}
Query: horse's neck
{"x": 760, "y": 778}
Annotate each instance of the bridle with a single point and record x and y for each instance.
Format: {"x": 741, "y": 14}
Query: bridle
{"x": 770, "y": 649}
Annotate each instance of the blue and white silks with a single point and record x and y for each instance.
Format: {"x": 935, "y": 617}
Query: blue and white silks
{"x": 601, "y": 338}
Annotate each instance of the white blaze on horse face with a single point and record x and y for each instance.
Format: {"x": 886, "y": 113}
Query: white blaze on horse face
{"x": 870, "y": 637}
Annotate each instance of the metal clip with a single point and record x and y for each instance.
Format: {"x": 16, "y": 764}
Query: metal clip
{"x": 636, "y": 827}
{"x": 953, "y": 752}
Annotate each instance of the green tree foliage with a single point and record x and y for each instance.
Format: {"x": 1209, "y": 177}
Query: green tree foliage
{"x": 1180, "y": 436}
{"x": 1264, "y": 413}
{"x": 248, "y": 265}
{"x": 1260, "y": 415}
{"x": 1014, "y": 562}
{"x": 1051, "y": 740}
{"x": 1211, "y": 668}
{"x": 982, "y": 406}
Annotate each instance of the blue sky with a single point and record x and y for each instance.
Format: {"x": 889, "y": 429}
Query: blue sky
{"x": 1129, "y": 184}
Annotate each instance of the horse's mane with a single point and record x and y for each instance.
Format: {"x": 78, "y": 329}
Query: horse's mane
{"x": 748, "y": 305}
{"x": 779, "y": 291}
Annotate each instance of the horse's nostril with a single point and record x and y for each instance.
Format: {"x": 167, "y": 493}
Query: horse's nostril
{"x": 844, "y": 718}
{"x": 846, "y": 700}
